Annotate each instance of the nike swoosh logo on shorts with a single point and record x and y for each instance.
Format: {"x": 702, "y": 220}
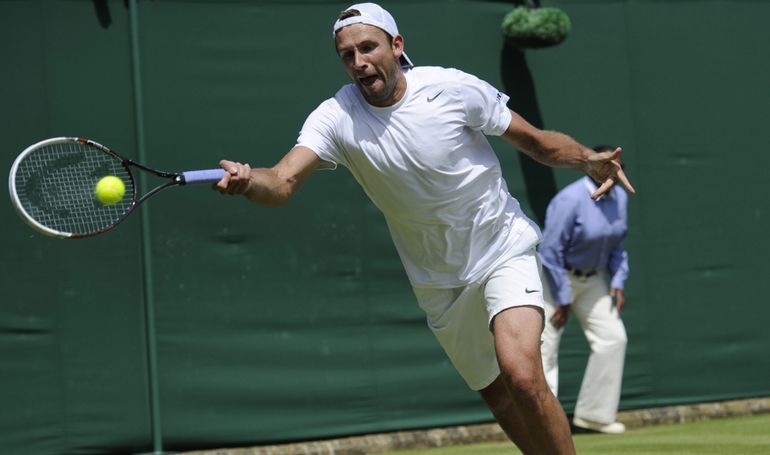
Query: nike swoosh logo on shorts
{"x": 431, "y": 98}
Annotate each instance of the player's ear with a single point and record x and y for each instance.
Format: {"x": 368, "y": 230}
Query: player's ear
{"x": 398, "y": 46}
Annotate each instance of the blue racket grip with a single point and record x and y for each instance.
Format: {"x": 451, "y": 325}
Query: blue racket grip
{"x": 204, "y": 176}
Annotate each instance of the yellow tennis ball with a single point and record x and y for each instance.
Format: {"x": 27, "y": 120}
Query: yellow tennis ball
{"x": 110, "y": 190}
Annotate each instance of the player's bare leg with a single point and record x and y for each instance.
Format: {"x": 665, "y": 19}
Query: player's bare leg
{"x": 517, "y": 341}
{"x": 501, "y": 404}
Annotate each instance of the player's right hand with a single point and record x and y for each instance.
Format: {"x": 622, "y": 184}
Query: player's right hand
{"x": 237, "y": 178}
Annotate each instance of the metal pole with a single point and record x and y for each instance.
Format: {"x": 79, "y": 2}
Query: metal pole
{"x": 149, "y": 303}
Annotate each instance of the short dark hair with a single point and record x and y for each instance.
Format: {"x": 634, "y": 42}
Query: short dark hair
{"x": 608, "y": 148}
{"x": 349, "y": 13}
{"x": 604, "y": 148}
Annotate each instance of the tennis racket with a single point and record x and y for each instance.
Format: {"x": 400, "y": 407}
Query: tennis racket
{"x": 53, "y": 186}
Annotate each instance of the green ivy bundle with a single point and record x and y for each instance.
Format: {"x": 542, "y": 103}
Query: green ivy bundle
{"x": 530, "y": 27}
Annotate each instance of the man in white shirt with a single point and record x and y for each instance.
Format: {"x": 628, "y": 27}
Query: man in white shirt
{"x": 414, "y": 138}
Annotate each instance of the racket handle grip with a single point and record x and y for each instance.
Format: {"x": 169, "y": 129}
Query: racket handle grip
{"x": 204, "y": 176}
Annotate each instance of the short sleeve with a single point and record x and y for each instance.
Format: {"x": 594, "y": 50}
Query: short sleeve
{"x": 486, "y": 107}
{"x": 318, "y": 133}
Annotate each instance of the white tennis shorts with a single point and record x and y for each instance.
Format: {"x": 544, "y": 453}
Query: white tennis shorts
{"x": 460, "y": 318}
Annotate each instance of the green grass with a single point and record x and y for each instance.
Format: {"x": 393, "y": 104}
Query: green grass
{"x": 734, "y": 436}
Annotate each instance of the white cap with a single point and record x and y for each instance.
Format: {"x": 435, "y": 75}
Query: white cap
{"x": 373, "y": 14}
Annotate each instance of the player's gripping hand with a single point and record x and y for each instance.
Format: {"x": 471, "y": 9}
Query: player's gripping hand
{"x": 237, "y": 179}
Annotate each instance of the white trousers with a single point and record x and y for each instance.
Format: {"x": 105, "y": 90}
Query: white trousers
{"x": 600, "y": 390}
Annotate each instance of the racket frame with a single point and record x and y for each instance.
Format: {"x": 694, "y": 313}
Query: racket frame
{"x": 175, "y": 179}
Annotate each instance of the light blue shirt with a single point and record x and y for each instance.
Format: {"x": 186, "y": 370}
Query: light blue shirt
{"x": 584, "y": 235}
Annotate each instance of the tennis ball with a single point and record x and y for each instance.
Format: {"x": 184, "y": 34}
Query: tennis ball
{"x": 110, "y": 190}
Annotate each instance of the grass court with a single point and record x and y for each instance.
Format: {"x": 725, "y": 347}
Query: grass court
{"x": 729, "y": 436}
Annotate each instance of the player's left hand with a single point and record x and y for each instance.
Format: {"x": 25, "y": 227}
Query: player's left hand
{"x": 604, "y": 167}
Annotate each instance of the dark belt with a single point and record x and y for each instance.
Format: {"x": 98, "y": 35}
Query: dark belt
{"x": 581, "y": 273}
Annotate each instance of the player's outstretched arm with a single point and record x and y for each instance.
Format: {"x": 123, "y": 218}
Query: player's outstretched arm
{"x": 559, "y": 150}
{"x": 269, "y": 186}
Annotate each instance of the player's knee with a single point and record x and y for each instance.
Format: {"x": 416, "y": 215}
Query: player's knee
{"x": 526, "y": 384}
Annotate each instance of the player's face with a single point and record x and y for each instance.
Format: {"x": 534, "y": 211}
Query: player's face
{"x": 372, "y": 62}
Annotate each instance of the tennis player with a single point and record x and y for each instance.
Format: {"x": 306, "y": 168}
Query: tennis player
{"x": 414, "y": 138}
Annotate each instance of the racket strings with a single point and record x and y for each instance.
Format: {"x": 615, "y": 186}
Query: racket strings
{"x": 56, "y": 186}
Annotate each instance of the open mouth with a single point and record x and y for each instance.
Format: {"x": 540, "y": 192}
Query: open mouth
{"x": 368, "y": 80}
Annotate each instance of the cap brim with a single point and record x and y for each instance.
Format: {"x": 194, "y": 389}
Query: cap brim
{"x": 405, "y": 61}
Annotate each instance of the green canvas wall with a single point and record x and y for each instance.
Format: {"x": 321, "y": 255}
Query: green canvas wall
{"x": 298, "y": 322}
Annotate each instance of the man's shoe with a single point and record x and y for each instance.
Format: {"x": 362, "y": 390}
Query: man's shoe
{"x": 609, "y": 428}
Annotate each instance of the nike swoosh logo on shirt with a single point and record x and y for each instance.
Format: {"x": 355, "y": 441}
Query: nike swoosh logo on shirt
{"x": 530, "y": 291}
{"x": 431, "y": 98}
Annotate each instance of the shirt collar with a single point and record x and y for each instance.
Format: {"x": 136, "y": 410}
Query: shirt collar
{"x": 591, "y": 186}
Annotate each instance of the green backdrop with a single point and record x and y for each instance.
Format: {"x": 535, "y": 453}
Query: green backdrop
{"x": 296, "y": 323}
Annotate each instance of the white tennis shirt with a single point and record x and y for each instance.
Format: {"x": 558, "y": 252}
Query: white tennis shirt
{"x": 425, "y": 163}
